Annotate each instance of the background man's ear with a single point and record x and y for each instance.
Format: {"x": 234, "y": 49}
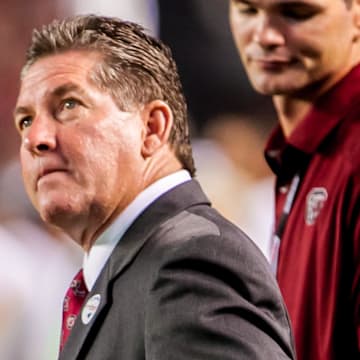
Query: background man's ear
{"x": 158, "y": 121}
{"x": 356, "y": 12}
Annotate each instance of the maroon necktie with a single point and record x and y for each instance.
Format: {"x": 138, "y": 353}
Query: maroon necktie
{"x": 73, "y": 302}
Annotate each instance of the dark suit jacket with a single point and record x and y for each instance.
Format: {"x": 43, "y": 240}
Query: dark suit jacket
{"x": 184, "y": 283}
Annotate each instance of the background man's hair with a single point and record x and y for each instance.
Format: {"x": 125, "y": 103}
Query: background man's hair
{"x": 135, "y": 69}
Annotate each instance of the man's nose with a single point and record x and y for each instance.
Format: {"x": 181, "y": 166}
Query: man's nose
{"x": 268, "y": 32}
{"x": 40, "y": 136}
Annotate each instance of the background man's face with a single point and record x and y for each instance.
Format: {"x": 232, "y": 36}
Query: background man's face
{"x": 287, "y": 45}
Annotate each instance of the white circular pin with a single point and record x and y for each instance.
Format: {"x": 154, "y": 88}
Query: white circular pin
{"x": 90, "y": 309}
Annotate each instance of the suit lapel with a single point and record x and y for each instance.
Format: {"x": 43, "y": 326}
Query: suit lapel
{"x": 164, "y": 208}
{"x": 167, "y": 206}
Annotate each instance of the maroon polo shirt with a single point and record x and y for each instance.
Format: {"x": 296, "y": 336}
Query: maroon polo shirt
{"x": 319, "y": 257}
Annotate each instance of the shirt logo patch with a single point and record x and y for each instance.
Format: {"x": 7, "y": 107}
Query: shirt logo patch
{"x": 315, "y": 201}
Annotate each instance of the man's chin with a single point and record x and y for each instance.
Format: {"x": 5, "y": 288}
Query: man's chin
{"x": 274, "y": 89}
{"x": 57, "y": 214}
{"x": 267, "y": 88}
{"x": 285, "y": 84}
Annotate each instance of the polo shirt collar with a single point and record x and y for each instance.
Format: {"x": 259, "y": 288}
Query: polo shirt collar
{"x": 287, "y": 155}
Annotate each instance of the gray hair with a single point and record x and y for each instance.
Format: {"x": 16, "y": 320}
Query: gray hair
{"x": 136, "y": 68}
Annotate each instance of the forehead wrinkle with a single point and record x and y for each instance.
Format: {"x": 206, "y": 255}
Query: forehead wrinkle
{"x": 60, "y": 90}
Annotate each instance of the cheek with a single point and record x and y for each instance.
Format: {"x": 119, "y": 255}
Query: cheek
{"x": 108, "y": 151}
{"x": 26, "y": 168}
{"x": 321, "y": 56}
{"x": 241, "y": 37}
{"x": 235, "y": 26}
{"x": 320, "y": 38}
{"x": 306, "y": 39}
{"x": 28, "y": 178}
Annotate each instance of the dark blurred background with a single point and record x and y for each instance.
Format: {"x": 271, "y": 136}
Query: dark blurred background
{"x": 213, "y": 78}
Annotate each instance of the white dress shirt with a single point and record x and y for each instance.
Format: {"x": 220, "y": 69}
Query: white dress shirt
{"x": 100, "y": 252}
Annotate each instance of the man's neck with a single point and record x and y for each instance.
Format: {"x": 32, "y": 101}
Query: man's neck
{"x": 292, "y": 108}
{"x": 290, "y": 112}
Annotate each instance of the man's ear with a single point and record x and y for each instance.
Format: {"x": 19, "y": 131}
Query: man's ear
{"x": 356, "y": 14}
{"x": 158, "y": 121}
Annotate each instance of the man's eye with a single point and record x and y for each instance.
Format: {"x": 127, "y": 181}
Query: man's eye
{"x": 246, "y": 9}
{"x": 70, "y": 104}
{"x": 25, "y": 122}
{"x": 243, "y": 7}
{"x": 299, "y": 13}
{"x": 68, "y": 109}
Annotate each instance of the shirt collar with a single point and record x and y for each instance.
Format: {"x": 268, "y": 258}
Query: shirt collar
{"x": 100, "y": 252}
{"x": 328, "y": 111}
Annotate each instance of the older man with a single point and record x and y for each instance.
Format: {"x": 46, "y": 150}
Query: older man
{"x": 106, "y": 157}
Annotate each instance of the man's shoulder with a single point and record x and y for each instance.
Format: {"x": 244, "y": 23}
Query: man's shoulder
{"x": 201, "y": 233}
{"x": 200, "y": 221}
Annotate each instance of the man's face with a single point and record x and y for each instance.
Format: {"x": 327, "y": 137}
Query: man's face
{"x": 288, "y": 45}
{"x": 80, "y": 155}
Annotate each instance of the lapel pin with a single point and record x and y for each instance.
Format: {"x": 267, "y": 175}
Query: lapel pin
{"x": 90, "y": 309}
